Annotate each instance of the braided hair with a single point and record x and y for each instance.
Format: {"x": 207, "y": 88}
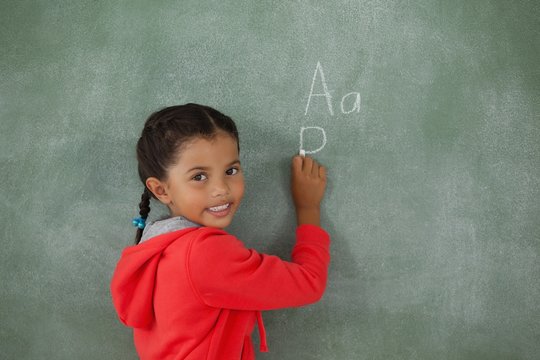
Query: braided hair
{"x": 164, "y": 134}
{"x": 144, "y": 207}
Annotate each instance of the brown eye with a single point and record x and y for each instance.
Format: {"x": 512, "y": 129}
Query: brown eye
{"x": 199, "y": 177}
{"x": 232, "y": 171}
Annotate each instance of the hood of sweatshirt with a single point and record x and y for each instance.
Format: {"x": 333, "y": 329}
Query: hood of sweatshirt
{"x": 134, "y": 277}
{"x": 166, "y": 225}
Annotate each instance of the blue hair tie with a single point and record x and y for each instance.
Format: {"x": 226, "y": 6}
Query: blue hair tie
{"x": 139, "y": 222}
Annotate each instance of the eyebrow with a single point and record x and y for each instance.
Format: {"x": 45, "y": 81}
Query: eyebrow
{"x": 205, "y": 168}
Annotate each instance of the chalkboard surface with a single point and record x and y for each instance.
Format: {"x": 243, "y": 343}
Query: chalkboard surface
{"x": 425, "y": 113}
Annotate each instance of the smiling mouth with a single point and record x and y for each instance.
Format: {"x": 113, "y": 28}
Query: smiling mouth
{"x": 220, "y": 208}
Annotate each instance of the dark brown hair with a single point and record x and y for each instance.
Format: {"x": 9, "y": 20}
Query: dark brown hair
{"x": 164, "y": 134}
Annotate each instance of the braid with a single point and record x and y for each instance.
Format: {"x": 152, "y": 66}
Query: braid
{"x": 144, "y": 207}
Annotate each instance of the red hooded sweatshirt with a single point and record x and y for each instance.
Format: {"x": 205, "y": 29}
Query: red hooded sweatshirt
{"x": 196, "y": 293}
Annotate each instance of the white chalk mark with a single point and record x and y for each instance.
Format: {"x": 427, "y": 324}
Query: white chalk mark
{"x": 356, "y": 103}
{"x": 302, "y": 140}
{"x": 326, "y": 93}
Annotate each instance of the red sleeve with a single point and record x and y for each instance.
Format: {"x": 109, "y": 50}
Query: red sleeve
{"x": 225, "y": 274}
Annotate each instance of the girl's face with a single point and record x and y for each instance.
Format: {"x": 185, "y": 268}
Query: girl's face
{"x": 207, "y": 184}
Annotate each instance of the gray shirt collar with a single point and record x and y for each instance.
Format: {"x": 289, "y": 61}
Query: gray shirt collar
{"x": 166, "y": 225}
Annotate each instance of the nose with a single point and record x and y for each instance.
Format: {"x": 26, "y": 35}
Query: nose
{"x": 220, "y": 187}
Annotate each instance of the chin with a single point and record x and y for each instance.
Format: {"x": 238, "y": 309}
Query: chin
{"x": 223, "y": 225}
{"x": 217, "y": 224}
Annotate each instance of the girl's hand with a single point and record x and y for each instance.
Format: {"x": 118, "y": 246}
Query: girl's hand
{"x": 308, "y": 182}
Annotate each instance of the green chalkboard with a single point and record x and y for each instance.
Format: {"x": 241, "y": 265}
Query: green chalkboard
{"x": 429, "y": 116}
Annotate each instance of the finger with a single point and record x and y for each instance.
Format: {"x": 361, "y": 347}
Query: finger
{"x": 307, "y": 165}
{"x": 296, "y": 163}
{"x": 322, "y": 172}
{"x": 315, "y": 169}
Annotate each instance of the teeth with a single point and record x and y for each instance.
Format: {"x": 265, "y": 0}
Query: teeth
{"x": 219, "y": 208}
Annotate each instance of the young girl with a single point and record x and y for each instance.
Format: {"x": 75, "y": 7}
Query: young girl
{"x": 187, "y": 288}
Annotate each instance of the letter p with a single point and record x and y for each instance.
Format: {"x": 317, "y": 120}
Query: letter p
{"x": 302, "y": 139}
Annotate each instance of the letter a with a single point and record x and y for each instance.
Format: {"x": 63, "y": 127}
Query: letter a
{"x": 326, "y": 93}
{"x": 356, "y": 103}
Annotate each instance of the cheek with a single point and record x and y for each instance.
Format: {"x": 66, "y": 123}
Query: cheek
{"x": 239, "y": 188}
{"x": 194, "y": 195}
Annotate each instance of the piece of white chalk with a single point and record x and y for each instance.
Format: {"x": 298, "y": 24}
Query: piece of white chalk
{"x": 302, "y": 153}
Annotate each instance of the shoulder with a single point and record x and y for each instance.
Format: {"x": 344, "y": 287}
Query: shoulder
{"x": 210, "y": 242}
{"x": 209, "y": 235}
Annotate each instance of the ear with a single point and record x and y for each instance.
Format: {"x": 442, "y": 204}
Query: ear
{"x": 159, "y": 189}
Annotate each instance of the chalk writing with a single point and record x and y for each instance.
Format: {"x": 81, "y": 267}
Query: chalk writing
{"x": 302, "y": 129}
{"x": 328, "y": 97}
{"x": 356, "y": 103}
{"x": 326, "y": 93}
